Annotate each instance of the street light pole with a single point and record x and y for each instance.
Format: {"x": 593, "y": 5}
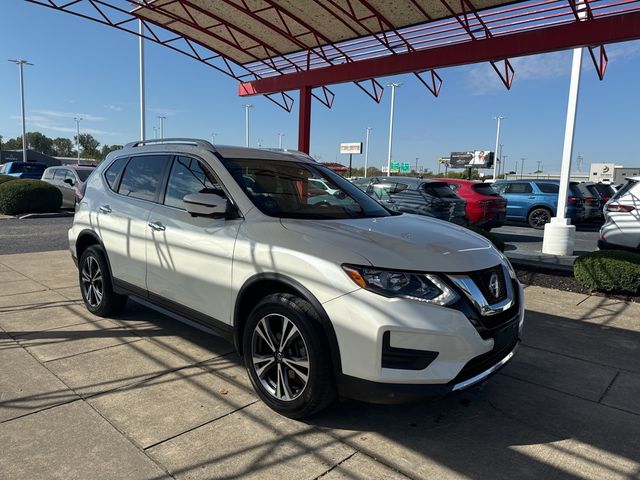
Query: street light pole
{"x": 393, "y": 86}
{"x": 522, "y": 167}
{"x": 213, "y": 138}
{"x": 280, "y": 135}
{"x": 143, "y": 135}
{"x": 20, "y": 64}
{"x": 246, "y": 106}
{"x": 77, "y": 119}
{"x": 162, "y": 119}
{"x": 366, "y": 151}
{"x": 495, "y": 152}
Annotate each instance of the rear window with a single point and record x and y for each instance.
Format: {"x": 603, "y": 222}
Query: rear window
{"x": 604, "y": 190}
{"x": 26, "y": 167}
{"x": 440, "y": 190}
{"x": 625, "y": 189}
{"x": 484, "y": 189}
{"x": 548, "y": 187}
{"x": 574, "y": 190}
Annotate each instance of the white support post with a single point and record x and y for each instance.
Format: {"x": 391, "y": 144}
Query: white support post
{"x": 142, "y": 93}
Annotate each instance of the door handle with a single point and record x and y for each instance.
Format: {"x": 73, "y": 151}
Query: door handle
{"x": 157, "y": 226}
{"x": 105, "y": 209}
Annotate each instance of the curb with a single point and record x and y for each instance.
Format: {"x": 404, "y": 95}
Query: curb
{"x": 45, "y": 215}
{"x": 541, "y": 261}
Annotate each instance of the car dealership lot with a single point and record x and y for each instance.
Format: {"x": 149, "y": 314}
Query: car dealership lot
{"x": 141, "y": 396}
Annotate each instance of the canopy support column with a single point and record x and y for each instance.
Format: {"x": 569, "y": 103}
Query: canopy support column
{"x": 304, "y": 119}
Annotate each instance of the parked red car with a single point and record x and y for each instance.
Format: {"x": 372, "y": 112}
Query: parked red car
{"x": 485, "y": 207}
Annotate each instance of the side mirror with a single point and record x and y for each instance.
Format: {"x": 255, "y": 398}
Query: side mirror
{"x": 69, "y": 182}
{"x": 205, "y": 204}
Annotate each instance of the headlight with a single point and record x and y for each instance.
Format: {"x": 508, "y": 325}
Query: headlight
{"x": 422, "y": 287}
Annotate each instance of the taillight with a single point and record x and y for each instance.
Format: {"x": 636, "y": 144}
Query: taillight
{"x": 573, "y": 200}
{"x": 590, "y": 201}
{"x": 619, "y": 208}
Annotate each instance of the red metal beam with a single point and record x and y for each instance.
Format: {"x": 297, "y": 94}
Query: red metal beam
{"x": 616, "y": 28}
{"x": 304, "y": 120}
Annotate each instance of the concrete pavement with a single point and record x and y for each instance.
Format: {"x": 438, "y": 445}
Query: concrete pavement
{"x": 141, "y": 396}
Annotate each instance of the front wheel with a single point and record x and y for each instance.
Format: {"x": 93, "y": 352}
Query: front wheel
{"x": 96, "y": 285}
{"x": 539, "y": 217}
{"x": 286, "y": 356}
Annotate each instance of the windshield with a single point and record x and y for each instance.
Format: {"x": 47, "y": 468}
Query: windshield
{"x": 288, "y": 189}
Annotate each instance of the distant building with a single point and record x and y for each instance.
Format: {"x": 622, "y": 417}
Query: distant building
{"x": 32, "y": 156}
{"x": 610, "y": 172}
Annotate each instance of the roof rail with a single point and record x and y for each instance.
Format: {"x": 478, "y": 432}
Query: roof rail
{"x": 184, "y": 141}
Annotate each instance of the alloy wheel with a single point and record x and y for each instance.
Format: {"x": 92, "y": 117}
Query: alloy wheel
{"x": 280, "y": 357}
{"x": 92, "y": 285}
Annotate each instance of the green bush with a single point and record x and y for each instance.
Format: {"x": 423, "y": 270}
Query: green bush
{"x": 613, "y": 271}
{"x": 6, "y": 178}
{"x": 492, "y": 237}
{"x": 28, "y": 196}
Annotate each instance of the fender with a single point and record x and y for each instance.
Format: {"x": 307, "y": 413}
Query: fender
{"x": 305, "y": 294}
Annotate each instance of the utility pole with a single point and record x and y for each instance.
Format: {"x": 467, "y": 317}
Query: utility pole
{"x": 504, "y": 164}
{"x": 246, "y": 106}
{"x": 155, "y": 133}
{"x": 416, "y": 169}
{"x": 366, "y": 151}
{"x": 77, "y": 119}
{"x": 280, "y": 135}
{"x": 162, "y": 119}
{"x": 20, "y": 64}
{"x": 522, "y": 167}
{"x": 393, "y": 96}
{"x": 538, "y": 170}
{"x": 495, "y": 152}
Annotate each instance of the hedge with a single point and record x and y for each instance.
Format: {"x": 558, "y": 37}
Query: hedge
{"x": 492, "y": 237}
{"x": 28, "y": 196}
{"x": 613, "y": 271}
{"x": 6, "y": 178}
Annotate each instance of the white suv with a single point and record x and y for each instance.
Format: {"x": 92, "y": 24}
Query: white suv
{"x": 321, "y": 298}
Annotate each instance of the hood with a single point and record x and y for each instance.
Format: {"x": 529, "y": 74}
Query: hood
{"x": 404, "y": 242}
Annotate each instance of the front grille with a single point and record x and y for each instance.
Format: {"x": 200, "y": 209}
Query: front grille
{"x": 483, "y": 280}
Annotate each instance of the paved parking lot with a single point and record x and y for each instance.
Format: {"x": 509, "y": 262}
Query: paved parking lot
{"x": 141, "y": 396}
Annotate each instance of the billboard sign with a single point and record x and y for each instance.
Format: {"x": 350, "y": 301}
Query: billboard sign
{"x": 354, "y": 148}
{"x": 477, "y": 159}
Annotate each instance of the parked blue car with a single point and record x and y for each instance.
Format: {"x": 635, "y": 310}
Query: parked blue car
{"x": 33, "y": 170}
{"x": 536, "y": 201}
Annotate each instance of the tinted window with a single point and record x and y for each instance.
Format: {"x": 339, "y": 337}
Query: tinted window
{"x": 484, "y": 189}
{"x": 187, "y": 176}
{"x": 500, "y": 187}
{"x": 83, "y": 174}
{"x": 111, "y": 175}
{"x": 142, "y": 176}
{"x": 440, "y": 190}
{"x": 548, "y": 187}
{"x": 520, "y": 188}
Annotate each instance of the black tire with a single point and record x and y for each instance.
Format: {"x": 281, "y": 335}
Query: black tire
{"x": 539, "y": 217}
{"x": 304, "y": 343}
{"x": 96, "y": 286}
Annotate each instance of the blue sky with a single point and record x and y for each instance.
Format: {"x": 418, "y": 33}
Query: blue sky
{"x": 85, "y": 68}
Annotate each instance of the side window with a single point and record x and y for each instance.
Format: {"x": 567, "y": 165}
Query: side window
{"x": 521, "y": 188}
{"x": 111, "y": 175}
{"x": 47, "y": 175}
{"x": 58, "y": 174}
{"x": 188, "y": 176}
{"x": 548, "y": 187}
{"x": 142, "y": 177}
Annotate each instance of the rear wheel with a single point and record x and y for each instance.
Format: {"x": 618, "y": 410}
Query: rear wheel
{"x": 96, "y": 285}
{"x": 539, "y": 217}
{"x": 286, "y": 355}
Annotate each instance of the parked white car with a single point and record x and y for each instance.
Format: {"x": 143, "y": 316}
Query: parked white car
{"x": 621, "y": 227}
{"x": 345, "y": 298}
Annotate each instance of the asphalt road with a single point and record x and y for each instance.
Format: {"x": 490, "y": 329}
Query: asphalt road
{"x": 528, "y": 240}
{"x": 34, "y": 234}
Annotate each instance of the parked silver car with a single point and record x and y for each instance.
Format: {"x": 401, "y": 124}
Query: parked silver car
{"x": 68, "y": 179}
{"x": 621, "y": 228}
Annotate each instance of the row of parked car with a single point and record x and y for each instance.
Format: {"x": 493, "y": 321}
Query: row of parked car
{"x": 488, "y": 205}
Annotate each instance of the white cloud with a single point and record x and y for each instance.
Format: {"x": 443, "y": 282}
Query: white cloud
{"x": 169, "y": 112}
{"x": 115, "y": 108}
{"x": 58, "y": 114}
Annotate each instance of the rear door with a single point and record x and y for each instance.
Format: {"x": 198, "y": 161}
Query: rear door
{"x": 123, "y": 212}
{"x": 520, "y": 197}
{"x": 189, "y": 258}
{"x": 445, "y": 204}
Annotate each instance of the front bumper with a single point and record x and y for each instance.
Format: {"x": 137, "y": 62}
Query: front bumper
{"x": 464, "y": 354}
